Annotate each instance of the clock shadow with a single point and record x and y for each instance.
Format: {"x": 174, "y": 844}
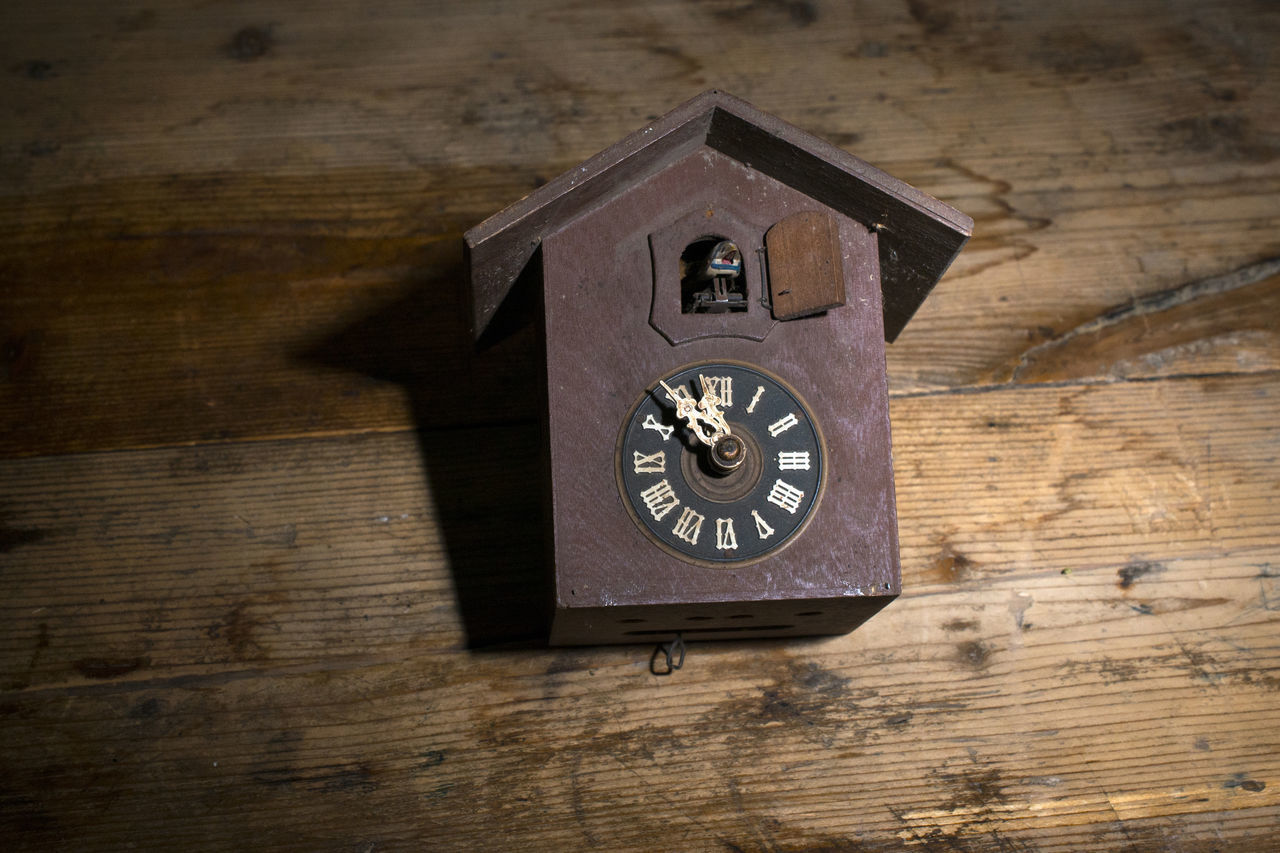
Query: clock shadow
{"x": 477, "y": 423}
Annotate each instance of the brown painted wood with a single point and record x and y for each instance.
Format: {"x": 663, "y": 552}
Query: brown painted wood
{"x": 197, "y": 197}
{"x": 806, "y": 274}
{"x": 921, "y": 234}
{"x": 845, "y": 564}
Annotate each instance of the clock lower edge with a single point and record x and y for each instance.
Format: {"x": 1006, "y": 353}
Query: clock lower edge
{"x": 591, "y": 626}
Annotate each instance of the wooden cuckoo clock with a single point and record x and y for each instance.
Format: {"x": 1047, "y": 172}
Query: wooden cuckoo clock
{"x": 716, "y": 291}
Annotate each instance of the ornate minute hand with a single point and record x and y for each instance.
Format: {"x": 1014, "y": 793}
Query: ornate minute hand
{"x": 704, "y": 417}
{"x": 709, "y": 405}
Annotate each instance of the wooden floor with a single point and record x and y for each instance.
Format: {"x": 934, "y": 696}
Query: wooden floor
{"x": 260, "y": 590}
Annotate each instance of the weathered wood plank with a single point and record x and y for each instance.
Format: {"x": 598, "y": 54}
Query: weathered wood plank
{"x": 260, "y": 640}
{"x": 210, "y": 338}
{"x": 242, "y": 221}
{"x": 1224, "y": 324}
{"x": 269, "y": 184}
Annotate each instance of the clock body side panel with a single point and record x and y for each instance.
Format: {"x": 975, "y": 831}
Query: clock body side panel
{"x": 602, "y": 352}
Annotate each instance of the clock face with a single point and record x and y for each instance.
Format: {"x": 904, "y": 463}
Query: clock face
{"x": 720, "y": 463}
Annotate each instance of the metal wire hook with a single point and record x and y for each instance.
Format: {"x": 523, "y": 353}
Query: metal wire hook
{"x": 672, "y": 653}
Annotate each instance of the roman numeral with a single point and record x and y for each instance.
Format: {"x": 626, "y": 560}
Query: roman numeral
{"x": 763, "y": 530}
{"x": 654, "y": 463}
{"x": 660, "y": 499}
{"x": 722, "y": 387}
{"x": 781, "y": 425}
{"x": 664, "y": 431}
{"x": 786, "y": 496}
{"x": 751, "y": 407}
{"x": 797, "y": 461}
{"x": 689, "y": 525}
{"x": 725, "y": 538}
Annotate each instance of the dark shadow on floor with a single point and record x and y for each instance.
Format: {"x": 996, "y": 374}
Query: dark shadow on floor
{"x": 476, "y": 412}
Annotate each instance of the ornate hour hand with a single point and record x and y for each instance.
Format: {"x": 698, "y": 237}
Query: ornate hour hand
{"x": 728, "y": 452}
{"x": 703, "y": 416}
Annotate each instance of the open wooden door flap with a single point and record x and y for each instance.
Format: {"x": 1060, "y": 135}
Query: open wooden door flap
{"x": 806, "y": 275}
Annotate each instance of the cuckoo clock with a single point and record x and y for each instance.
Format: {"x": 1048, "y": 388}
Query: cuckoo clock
{"x": 714, "y": 294}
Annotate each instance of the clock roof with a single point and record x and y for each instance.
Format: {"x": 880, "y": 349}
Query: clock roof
{"x": 919, "y": 236}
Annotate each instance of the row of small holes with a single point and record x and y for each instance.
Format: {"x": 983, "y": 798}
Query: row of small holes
{"x": 745, "y": 629}
{"x": 885, "y": 585}
{"x": 709, "y": 618}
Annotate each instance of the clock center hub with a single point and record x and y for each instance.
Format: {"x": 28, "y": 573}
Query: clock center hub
{"x": 728, "y": 453}
{"x": 725, "y": 484}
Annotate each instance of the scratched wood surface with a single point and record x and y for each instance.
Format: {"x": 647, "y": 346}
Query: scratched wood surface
{"x": 249, "y": 541}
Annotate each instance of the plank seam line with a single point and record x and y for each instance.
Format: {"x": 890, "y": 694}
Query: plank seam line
{"x": 319, "y": 435}
{"x": 207, "y": 679}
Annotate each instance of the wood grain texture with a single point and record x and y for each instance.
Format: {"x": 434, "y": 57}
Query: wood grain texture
{"x": 1112, "y": 152}
{"x": 1082, "y": 649}
{"x": 245, "y": 554}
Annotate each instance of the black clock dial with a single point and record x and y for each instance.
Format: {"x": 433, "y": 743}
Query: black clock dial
{"x": 720, "y": 463}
